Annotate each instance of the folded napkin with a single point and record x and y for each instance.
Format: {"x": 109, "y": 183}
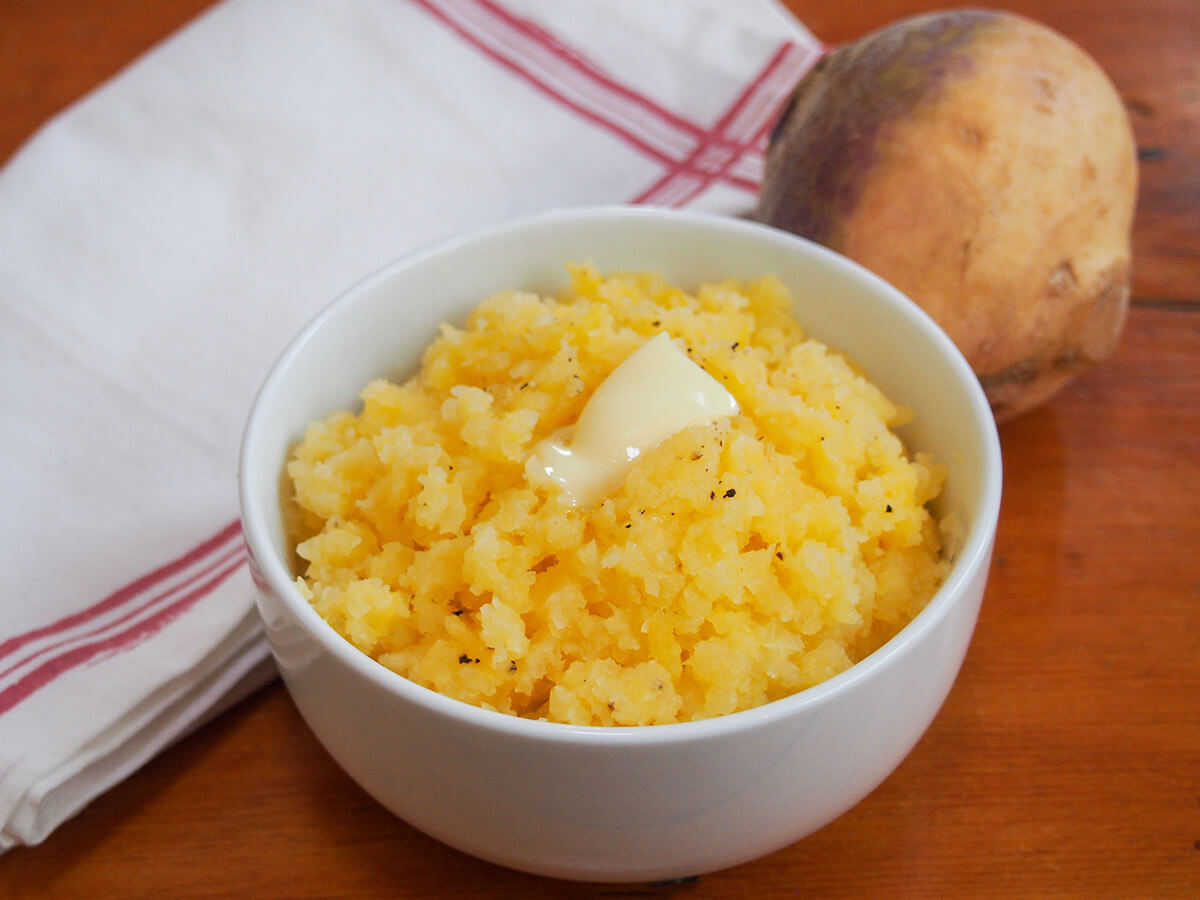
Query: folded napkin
{"x": 162, "y": 240}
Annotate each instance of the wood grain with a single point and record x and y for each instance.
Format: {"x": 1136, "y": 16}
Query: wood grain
{"x": 1066, "y": 761}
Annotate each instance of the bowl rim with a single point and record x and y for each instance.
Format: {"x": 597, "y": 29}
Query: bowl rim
{"x": 974, "y": 554}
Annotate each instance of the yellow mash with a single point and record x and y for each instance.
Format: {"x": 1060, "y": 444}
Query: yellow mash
{"x": 739, "y": 561}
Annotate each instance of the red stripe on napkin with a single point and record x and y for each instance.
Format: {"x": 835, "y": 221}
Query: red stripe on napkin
{"x": 576, "y": 65}
{"x": 566, "y": 75}
{"x": 743, "y": 126}
{"x": 132, "y": 636}
{"x": 475, "y": 32}
{"x": 67, "y": 643}
{"x": 131, "y": 592}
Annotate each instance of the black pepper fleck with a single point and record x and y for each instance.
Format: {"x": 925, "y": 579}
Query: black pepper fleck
{"x": 889, "y": 507}
{"x": 463, "y": 659}
{"x": 712, "y": 495}
{"x": 779, "y": 554}
{"x": 730, "y": 493}
{"x": 735, "y": 345}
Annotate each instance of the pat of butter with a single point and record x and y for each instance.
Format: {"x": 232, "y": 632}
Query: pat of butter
{"x": 654, "y": 393}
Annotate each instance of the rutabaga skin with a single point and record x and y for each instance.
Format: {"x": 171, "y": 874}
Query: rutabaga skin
{"x": 985, "y": 166}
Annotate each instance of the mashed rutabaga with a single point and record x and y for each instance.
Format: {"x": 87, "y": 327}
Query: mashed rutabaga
{"x": 739, "y": 561}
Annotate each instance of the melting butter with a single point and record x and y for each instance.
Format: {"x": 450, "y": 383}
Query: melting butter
{"x": 654, "y": 393}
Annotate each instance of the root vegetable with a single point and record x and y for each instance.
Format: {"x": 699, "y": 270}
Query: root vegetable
{"x": 984, "y": 165}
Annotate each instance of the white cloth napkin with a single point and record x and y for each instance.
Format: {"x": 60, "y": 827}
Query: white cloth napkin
{"x": 163, "y": 239}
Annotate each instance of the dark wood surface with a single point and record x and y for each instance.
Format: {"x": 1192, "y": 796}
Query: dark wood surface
{"x": 1066, "y": 761}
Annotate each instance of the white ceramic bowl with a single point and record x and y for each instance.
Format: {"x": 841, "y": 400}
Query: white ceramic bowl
{"x": 621, "y": 804}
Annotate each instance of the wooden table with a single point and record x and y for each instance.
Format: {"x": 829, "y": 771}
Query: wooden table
{"x": 1067, "y": 758}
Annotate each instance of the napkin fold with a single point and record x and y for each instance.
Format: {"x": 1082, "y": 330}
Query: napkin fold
{"x": 162, "y": 240}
